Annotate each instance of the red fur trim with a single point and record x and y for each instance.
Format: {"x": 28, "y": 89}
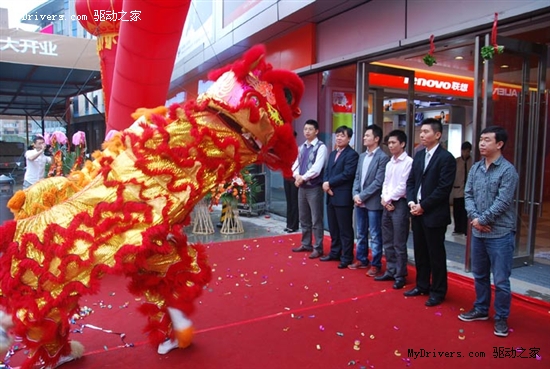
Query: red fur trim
{"x": 253, "y": 59}
{"x": 7, "y": 231}
{"x": 281, "y": 79}
{"x": 286, "y": 154}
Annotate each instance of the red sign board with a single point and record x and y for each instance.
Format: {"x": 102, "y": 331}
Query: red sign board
{"x": 439, "y": 84}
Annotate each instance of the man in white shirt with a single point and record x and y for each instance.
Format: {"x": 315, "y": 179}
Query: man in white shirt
{"x": 36, "y": 162}
{"x": 395, "y": 217}
{"x": 308, "y": 174}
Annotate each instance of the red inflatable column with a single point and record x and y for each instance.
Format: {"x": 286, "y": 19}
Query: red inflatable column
{"x": 101, "y": 19}
{"x": 148, "y": 43}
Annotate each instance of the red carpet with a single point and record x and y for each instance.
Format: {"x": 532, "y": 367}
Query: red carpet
{"x": 267, "y": 307}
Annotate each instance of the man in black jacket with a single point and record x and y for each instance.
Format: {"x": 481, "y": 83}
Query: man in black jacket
{"x": 428, "y": 189}
{"x": 338, "y": 182}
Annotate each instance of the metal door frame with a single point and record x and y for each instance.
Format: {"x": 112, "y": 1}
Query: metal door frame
{"x": 363, "y": 89}
{"x": 530, "y": 157}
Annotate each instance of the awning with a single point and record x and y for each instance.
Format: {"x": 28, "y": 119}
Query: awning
{"x": 38, "y": 72}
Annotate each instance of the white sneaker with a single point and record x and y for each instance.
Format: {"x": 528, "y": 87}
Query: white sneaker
{"x": 62, "y": 360}
{"x": 167, "y": 346}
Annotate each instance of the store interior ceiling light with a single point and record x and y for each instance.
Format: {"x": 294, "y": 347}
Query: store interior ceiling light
{"x": 459, "y": 57}
{"x": 504, "y": 66}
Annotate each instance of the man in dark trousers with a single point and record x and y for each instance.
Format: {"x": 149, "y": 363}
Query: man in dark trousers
{"x": 428, "y": 189}
{"x": 308, "y": 173}
{"x": 291, "y": 196}
{"x": 463, "y": 164}
{"x": 338, "y": 182}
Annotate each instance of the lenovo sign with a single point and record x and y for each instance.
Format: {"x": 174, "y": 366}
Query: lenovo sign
{"x": 437, "y": 84}
{"x": 440, "y": 84}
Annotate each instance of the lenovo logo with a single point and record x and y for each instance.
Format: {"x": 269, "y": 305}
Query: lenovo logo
{"x": 438, "y": 84}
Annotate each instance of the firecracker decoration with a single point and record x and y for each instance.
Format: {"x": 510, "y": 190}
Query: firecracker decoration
{"x": 488, "y": 52}
{"x": 124, "y": 213}
{"x": 429, "y": 59}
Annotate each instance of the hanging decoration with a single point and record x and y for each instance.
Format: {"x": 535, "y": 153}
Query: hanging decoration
{"x": 429, "y": 59}
{"x": 487, "y": 52}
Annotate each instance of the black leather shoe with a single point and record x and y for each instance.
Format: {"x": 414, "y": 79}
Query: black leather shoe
{"x": 433, "y": 301}
{"x": 328, "y": 258}
{"x": 343, "y": 265}
{"x": 399, "y": 284}
{"x": 385, "y": 277}
{"x": 315, "y": 254}
{"x": 302, "y": 249}
{"x": 414, "y": 292}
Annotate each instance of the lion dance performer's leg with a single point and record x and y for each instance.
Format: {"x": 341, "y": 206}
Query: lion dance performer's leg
{"x": 170, "y": 282}
{"x": 39, "y": 319}
{"x": 6, "y": 339}
{"x": 46, "y": 336}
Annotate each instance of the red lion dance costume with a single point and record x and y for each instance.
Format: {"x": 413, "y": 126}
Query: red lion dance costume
{"x": 124, "y": 213}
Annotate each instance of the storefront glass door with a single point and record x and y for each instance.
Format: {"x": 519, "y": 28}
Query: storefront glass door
{"x": 372, "y": 95}
{"x": 512, "y": 94}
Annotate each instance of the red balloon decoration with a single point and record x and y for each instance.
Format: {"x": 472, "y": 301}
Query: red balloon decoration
{"x": 102, "y": 21}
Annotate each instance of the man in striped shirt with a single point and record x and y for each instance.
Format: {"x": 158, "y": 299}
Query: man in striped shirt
{"x": 489, "y": 197}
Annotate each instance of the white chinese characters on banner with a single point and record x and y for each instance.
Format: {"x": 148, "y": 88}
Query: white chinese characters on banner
{"x": 32, "y": 46}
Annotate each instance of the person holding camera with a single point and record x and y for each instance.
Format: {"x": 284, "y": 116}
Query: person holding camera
{"x": 36, "y": 162}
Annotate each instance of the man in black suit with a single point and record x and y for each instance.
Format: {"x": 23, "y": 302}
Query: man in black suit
{"x": 338, "y": 182}
{"x": 291, "y": 196}
{"x": 428, "y": 189}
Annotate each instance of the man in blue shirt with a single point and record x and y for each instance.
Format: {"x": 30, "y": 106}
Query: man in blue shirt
{"x": 489, "y": 196}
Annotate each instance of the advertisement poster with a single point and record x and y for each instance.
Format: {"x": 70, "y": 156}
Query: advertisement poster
{"x": 343, "y": 111}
